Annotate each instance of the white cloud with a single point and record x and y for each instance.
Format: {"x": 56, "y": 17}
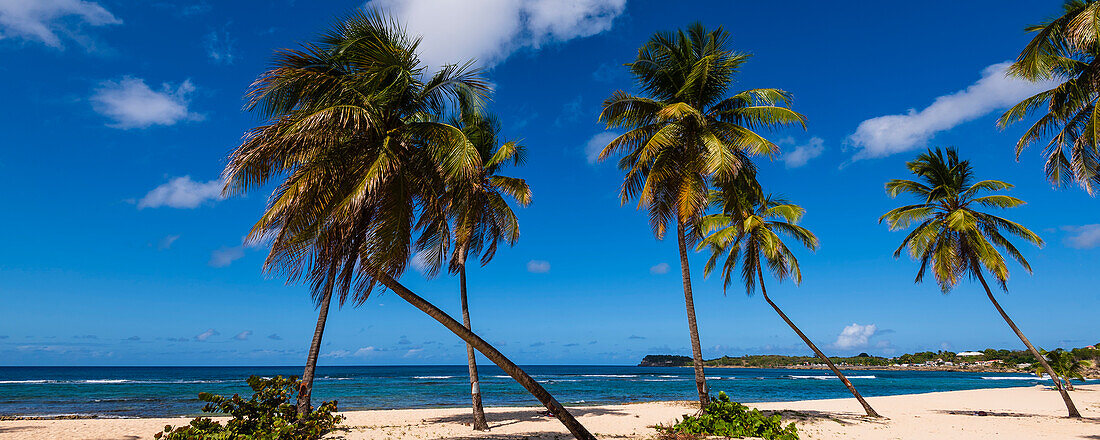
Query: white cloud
{"x": 182, "y": 192}
{"x": 366, "y": 351}
{"x": 803, "y": 153}
{"x": 488, "y": 31}
{"x": 225, "y": 256}
{"x": 1083, "y": 237}
{"x": 206, "y": 335}
{"x": 659, "y": 269}
{"x": 597, "y": 143}
{"x": 43, "y": 20}
{"x": 855, "y": 336}
{"x": 130, "y": 103}
{"x": 166, "y": 242}
{"x": 243, "y": 336}
{"x": 337, "y": 354}
{"x": 538, "y": 266}
{"x": 886, "y": 135}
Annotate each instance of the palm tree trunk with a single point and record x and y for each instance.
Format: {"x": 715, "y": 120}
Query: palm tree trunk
{"x": 305, "y": 388}
{"x": 475, "y": 387}
{"x": 579, "y": 431}
{"x": 866, "y": 406}
{"x": 1042, "y": 360}
{"x": 693, "y": 329}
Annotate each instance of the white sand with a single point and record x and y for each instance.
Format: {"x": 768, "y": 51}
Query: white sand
{"x": 1012, "y": 413}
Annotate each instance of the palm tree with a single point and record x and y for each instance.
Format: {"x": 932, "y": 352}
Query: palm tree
{"x": 481, "y": 215}
{"x": 954, "y": 238}
{"x": 1065, "y": 364}
{"x": 749, "y": 231}
{"x": 686, "y": 135}
{"x": 353, "y": 141}
{"x": 1064, "y": 50}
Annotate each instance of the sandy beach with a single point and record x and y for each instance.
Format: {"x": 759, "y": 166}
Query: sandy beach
{"x": 1006, "y": 413}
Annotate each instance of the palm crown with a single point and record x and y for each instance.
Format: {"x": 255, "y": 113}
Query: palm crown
{"x": 687, "y": 132}
{"x": 1063, "y": 49}
{"x": 354, "y": 140}
{"x": 477, "y": 204}
{"x": 749, "y": 231}
{"x": 952, "y": 236}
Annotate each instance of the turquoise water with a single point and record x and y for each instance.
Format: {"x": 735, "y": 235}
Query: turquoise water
{"x": 171, "y": 391}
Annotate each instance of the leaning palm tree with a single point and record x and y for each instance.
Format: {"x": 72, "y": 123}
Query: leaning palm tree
{"x": 1064, "y": 51}
{"x": 953, "y": 238}
{"x": 479, "y": 210}
{"x": 1066, "y": 365}
{"x": 749, "y": 232}
{"x": 688, "y": 134}
{"x": 360, "y": 161}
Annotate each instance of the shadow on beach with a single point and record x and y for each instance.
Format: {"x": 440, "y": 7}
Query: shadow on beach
{"x": 841, "y": 417}
{"x": 497, "y": 419}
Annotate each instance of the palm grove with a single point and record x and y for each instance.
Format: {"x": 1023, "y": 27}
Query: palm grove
{"x": 377, "y": 160}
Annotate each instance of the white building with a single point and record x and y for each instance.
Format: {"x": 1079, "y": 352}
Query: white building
{"x": 969, "y": 353}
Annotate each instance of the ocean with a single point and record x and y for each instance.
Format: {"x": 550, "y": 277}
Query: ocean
{"x": 171, "y": 391}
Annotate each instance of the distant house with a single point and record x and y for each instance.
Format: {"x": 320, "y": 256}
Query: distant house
{"x": 970, "y": 353}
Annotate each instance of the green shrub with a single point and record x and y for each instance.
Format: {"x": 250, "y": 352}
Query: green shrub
{"x": 269, "y": 415}
{"x": 729, "y": 419}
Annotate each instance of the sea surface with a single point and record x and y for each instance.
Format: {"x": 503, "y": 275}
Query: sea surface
{"x": 171, "y": 391}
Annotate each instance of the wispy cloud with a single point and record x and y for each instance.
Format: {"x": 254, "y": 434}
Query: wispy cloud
{"x": 201, "y": 337}
{"x": 219, "y": 46}
{"x": 274, "y": 337}
{"x": 1083, "y": 237}
{"x": 570, "y": 112}
{"x": 801, "y": 154}
{"x": 596, "y": 144}
{"x": 46, "y": 21}
{"x": 636, "y": 337}
{"x": 130, "y": 103}
{"x": 855, "y": 336}
{"x": 488, "y": 31}
{"x": 225, "y": 255}
{"x": 243, "y": 336}
{"x": 182, "y": 192}
{"x": 538, "y": 266}
{"x": 659, "y": 269}
{"x": 891, "y": 134}
{"x": 166, "y": 242}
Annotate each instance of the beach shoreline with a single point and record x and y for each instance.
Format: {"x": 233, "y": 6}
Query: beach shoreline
{"x": 1005, "y": 413}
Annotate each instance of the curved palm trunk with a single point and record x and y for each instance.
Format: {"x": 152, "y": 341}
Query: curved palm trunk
{"x": 305, "y": 387}
{"x": 866, "y": 406}
{"x": 1042, "y": 360}
{"x": 693, "y": 329}
{"x": 475, "y": 387}
{"x": 579, "y": 431}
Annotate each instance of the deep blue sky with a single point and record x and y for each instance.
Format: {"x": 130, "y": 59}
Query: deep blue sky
{"x": 109, "y": 100}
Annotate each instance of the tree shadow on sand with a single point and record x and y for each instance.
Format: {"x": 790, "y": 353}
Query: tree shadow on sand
{"x": 497, "y": 419}
{"x": 841, "y": 417}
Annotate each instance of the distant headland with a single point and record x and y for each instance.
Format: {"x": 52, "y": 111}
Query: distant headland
{"x": 988, "y": 360}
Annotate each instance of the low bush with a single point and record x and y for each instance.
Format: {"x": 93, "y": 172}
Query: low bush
{"x": 270, "y": 414}
{"x": 726, "y": 418}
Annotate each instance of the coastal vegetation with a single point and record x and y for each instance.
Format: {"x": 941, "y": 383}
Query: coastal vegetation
{"x": 1021, "y": 361}
{"x": 1067, "y": 365}
{"x": 724, "y": 418}
{"x": 749, "y": 232}
{"x": 687, "y": 135}
{"x": 270, "y": 414}
{"x": 362, "y": 163}
{"x": 953, "y": 238}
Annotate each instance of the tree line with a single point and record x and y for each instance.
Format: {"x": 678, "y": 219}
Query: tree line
{"x": 376, "y": 160}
